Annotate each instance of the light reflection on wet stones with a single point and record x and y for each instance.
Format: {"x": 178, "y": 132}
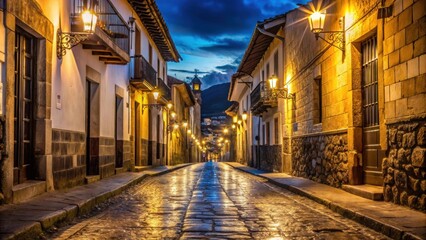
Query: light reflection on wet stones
{"x": 215, "y": 201}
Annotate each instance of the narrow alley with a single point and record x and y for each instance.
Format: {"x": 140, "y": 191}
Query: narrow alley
{"x": 213, "y": 200}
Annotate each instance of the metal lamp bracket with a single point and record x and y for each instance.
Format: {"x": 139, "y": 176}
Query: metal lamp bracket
{"x": 68, "y": 40}
{"x": 334, "y": 38}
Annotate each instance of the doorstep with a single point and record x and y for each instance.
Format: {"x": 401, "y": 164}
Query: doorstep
{"x": 120, "y": 170}
{"x": 142, "y": 168}
{"x": 371, "y": 192}
{"x": 27, "y": 190}
{"x": 92, "y": 178}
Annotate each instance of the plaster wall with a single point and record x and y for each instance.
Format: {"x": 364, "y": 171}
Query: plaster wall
{"x": 69, "y": 76}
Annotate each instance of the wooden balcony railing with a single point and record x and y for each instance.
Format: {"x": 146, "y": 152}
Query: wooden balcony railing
{"x": 261, "y": 99}
{"x": 164, "y": 89}
{"x": 111, "y": 39}
{"x": 143, "y": 74}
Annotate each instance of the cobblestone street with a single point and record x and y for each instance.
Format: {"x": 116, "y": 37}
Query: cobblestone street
{"x": 213, "y": 201}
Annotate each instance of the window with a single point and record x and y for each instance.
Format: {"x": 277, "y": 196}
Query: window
{"x": 276, "y": 63}
{"x": 267, "y": 71}
{"x": 317, "y": 110}
{"x": 150, "y": 54}
{"x": 263, "y": 134}
{"x": 276, "y": 131}
{"x": 263, "y": 75}
{"x": 158, "y": 67}
{"x": 268, "y": 133}
{"x": 164, "y": 73}
{"x": 369, "y": 83}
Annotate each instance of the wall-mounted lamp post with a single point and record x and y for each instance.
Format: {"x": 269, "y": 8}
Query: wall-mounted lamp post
{"x": 244, "y": 116}
{"x": 334, "y": 38}
{"x": 67, "y": 40}
{"x": 278, "y": 92}
{"x": 156, "y": 94}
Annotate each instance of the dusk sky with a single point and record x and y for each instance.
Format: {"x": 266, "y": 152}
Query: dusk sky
{"x": 212, "y": 35}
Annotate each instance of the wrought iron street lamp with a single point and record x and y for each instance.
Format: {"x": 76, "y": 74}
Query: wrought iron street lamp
{"x": 244, "y": 116}
{"x": 334, "y": 38}
{"x": 156, "y": 93}
{"x": 68, "y": 40}
{"x": 278, "y": 92}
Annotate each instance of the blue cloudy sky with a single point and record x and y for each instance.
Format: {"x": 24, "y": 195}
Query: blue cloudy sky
{"x": 212, "y": 35}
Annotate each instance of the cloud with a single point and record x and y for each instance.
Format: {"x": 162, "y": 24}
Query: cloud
{"x": 230, "y": 67}
{"x": 227, "y": 47}
{"x": 214, "y": 78}
{"x": 227, "y": 67}
{"x": 210, "y": 18}
{"x": 187, "y": 71}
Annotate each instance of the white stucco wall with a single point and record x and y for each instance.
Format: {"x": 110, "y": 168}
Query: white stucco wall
{"x": 69, "y": 74}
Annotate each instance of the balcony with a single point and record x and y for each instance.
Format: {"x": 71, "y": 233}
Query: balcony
{"x": 144, "y": 76}
{"x": 165, "y": 90}
{"x": 110, "y": 41}
{"x": 262, "y": 99}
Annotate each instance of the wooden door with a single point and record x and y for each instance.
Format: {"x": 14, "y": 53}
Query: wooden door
{"x": 25, "y": 62}
{"x": 372, "y": 155}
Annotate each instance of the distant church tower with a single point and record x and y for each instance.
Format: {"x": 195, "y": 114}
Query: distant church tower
{"x": 196, "y": 87}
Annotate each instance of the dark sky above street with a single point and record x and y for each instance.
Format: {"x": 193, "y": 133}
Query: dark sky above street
{"x": 212, "y": 35}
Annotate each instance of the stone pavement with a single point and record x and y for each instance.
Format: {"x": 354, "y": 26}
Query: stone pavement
{"x": 212, "y": 201}
{"x": 390, "y": 219}
{"x": 28, "y": 219}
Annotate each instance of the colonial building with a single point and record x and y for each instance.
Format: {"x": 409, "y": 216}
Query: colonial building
{"x": 351, "y": 93}
{"x": 85, "y": 91}
{"x": 184, "y": 124}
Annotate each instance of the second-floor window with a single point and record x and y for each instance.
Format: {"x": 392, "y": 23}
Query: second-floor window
{"x": 267, "y": 71}
{"x": 158, "y": 67}
{"x": 317, "y": 101}
{"x": 276, "y": 63}
{"x": 150, "y": 54}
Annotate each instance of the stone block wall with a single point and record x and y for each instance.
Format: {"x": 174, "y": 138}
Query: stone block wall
{"x": 68, "y": 158}
{"x": 404, "y": 60}
{"x": 270, "y": 157}
{"x": 404, "y": 169}
{"x": 321, "y": 158}
{"x": 127, "y": 154}
{"x": 106, "y": 157}
{"x": 144, "y": 151}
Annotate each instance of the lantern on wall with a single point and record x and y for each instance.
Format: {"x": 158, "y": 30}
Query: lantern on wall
{"x": 273, "y": 81}
{"x": 316, "y": 21}
{"x": 156, "y": 93}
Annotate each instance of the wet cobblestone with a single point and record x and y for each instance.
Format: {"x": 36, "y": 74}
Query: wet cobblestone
{"x": 213, "y": 201}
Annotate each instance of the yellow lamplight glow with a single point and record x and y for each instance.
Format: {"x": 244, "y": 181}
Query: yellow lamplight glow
{"x": 156, "y": 93}
{"x": 169, "y": 105}
{"x": 185, "y": 124}
{"x": 189, "y": 131}
{"x": 244, "y": 116}
{"x": 273, "y": 81}
{"x": 225, "y": 130}
{"x": 172, "y": 114}
{"x": 239, "y": 121}
{"x": 89, "y": 21}
{"x": 235, "y": 119}
{"x": 233, "y": 126}
{"x": 316, "y": 21}
{"x": 176, "y": 126}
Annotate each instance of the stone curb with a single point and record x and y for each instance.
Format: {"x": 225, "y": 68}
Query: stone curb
{"x": 80, "y": 208}
{"x": 375, "y": 224}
